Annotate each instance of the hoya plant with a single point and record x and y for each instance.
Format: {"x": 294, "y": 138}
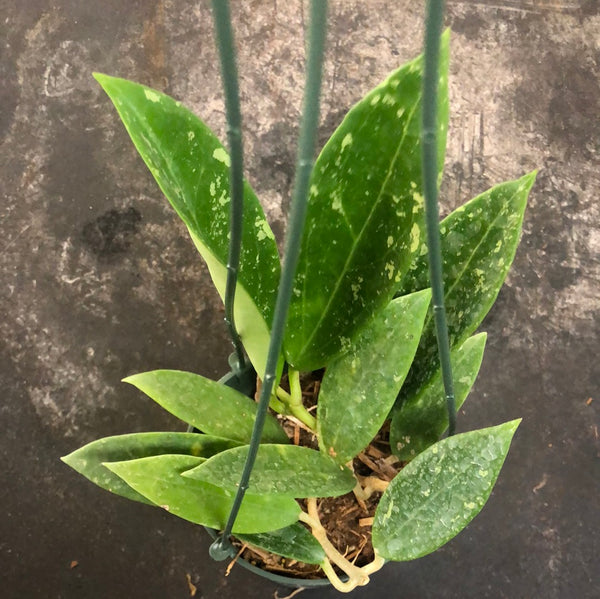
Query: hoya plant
{"x": 357, "y": 407}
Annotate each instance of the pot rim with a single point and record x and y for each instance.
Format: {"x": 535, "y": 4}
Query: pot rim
{"x": 288, "y": 581}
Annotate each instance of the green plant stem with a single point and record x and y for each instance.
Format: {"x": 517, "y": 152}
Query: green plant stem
{"x": 307, "y": 143}
{"x": 276, "y": 403}
{"x": 297, "y": 410}
{"x": 433, "y": 30}
{"x": 229, "y": 75}
{"x": 295, "y": 404}
{"x": 295, "y": 388}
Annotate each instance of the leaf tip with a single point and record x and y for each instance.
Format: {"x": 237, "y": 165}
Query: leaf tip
{"x": 134, "y": 379}
{"x": 529, "y": 179}
{"x": 513, "y": 424}
{"x": 103, "y": 80}
{"x": 508, "y": 428}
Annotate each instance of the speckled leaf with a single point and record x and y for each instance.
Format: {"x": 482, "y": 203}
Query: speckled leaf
{"x": 159, "y": 479}
{"x": 278, "y": 470}
{"x": 294, "y": 542}
{"x": 435, "y": 496}
{"x": 88, "y": 459}
{"x": 361, "y": 226}
{"x": 211, "y": 407}
{"x": 192, "y": 168}
{"x": 359, "y": 388}
{"x": 421, "y": 420}
{"x": 479, "y": 241}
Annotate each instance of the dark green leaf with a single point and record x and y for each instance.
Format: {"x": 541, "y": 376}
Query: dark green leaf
{"x": 278, "y": 470}
{"x": 421, "y": 420}
{"x": 360, "y": 387}
{"x": 363, "y": 217}
{"x": 439, "y": 492}
{"x": 479, "y": 241}
{"x": 159, "y": 479}
{"x": 293, "y": 542}
{"x": 209, "y": 406}
{"x": 88, "y": 459}
{"x": 192, "y": 168}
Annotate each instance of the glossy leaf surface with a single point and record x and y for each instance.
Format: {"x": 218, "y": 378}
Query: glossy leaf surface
{"x": 478, "y": 241}
{"x": 363, "y": 218}
{"x": 88, "y": 459}
{"x": 421, "y": 420}
{"x": 278, "y": 470}
{"x": 159, "y": 479}
{"x": 294, "y": 542}
{"x": 360, "y": 387}
{"x": 435, "y": 496}
{"x": 192, "y": 168}
{"x": 213, "y": 408}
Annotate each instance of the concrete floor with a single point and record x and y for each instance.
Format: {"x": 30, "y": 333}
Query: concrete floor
{"x": 101, "y": 281}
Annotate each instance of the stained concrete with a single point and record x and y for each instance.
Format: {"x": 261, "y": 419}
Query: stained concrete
{"x": 101, "y": 281}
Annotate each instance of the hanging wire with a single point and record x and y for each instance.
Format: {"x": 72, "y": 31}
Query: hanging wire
{"x": 433, "y": 30}
{"x": 229, "y": 75}
{"x": 306, "y": 149}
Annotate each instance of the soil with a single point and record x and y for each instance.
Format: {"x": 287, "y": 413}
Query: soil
{"x": 346, "y": 519}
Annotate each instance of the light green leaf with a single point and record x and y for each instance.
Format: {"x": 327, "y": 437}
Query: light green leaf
{"x": 366, "y": 202}
{"x": 360, "y": 387}
{"x": 293, "y": 542}
{"x": 88, "y": 460}
{"x": 479, "y": 241}
{"x": 159, "y": 479}
{"x": 278, "y": 470}
{"x": 435, "y": 496}
{"x": 211, "y": 407}
{"x": 421, "y": 420}
{"x": 192, "y": 168}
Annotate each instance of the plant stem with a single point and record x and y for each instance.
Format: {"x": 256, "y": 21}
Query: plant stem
{"x": 356, "y": 576}
{"x": 296, "y": 405}
{"x": 433, "y": 30}
{"x": 277, "y": 405}
{"x": 229, "y": 76}
{"x": 366, "y": 486}
{"x": 374, "y": 566}
{"x": 354, "y": 572}
{"x": 283, "y": 395}
{"x": 343, "y": 587}
{"x": 295, "y": 409}
{"x": 295, "y": 388}
{"x": 304, "y": 416}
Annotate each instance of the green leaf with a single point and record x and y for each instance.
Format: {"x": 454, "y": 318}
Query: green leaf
{"x": 360, "y": 387}
{"x": 433, "y": 498}
{"x": 159, "y": 479}
{"x": 293, "y": 542}
{"x": 365, "y": 201}
{"x": 211, "y": 407}
{"x": 278, "y": 470}
{"x": 192, "y": 168}
{"x": 421, "y": 420}
{"x": 88, "y": 459}
{"x": 479, "y": 241}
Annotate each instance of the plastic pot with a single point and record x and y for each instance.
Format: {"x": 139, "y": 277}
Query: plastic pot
{"x": 288, "y": 581}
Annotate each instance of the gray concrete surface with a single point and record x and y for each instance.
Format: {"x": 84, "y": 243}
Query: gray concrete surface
{"x": 99, "y": 279}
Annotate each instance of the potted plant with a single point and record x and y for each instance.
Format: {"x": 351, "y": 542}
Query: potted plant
{"x": 357, "y": 407}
